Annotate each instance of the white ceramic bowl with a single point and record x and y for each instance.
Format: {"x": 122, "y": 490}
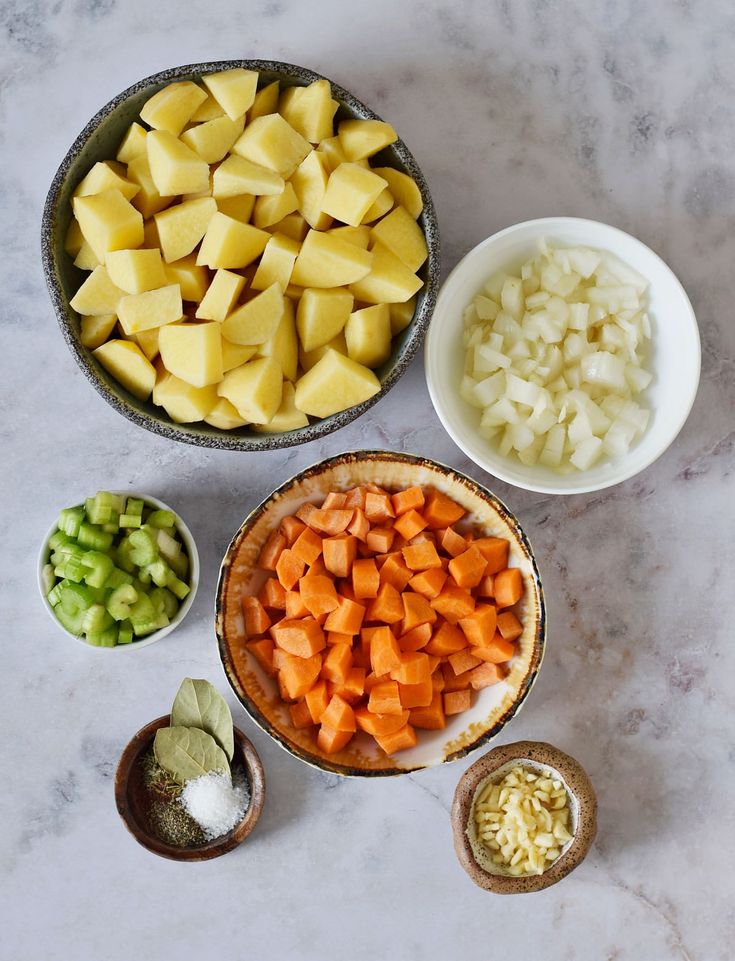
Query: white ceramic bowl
{"x": 674, "y": 358}
{"x": 193, "y": 579}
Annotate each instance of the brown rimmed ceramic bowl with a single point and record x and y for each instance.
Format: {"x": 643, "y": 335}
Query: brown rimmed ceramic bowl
{"x": 132, "y": 799}
{"x": 100, "y": 140}
{"x": 240, "y": 576}
{"x": 493, "y": 766}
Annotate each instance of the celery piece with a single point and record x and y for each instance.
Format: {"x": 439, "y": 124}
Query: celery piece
{"x": 96, "y": 619}
{"x": 161, "y": 519}
{"x": 121, "y": 600}
{"x": 70, "y": 520}
{"x": 125, "y": 633}
{"x": 54, "y": 595}
{"x": 164, "y": 601}
{"x": 75, "y": 597}
{"x": 177, "y": 587}
{"x": 134, "y": 506}
{"x": 130, "y": 520}
{"x": 57, "y": 539}
{"x": 113, "y": 526}
{"x": 72, "y": 621}
{"x": 64, "y": 551}
{"x": 105, "y": 638}
{"x": 179, "y": 565}
{"x": 99, "y": 508}
{"x": 48, "y": 578}
{"x": 117, "y": 578}
{"x": 143, "y": 549}
{"x": 122, "y": 556}
{"x": 99, "y": 567}
{"x": 144, "y": 578}
{"x": 142, "y": 611}
{"x": 72, "y": 569}
{"x": 167, "y": 545}
{"x": 159, "y": 572}
{"x": 94, "y": 538}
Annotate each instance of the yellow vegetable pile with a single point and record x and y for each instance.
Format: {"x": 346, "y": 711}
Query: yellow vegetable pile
{"x": 247, "y": 265}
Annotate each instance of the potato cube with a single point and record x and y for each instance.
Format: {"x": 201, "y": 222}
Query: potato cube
{"x": 309, "y": 110}
{"x": 270, "y": 209}
{"x": 171, "y": 108}
{"x": 287, "y": 417}
{"x": 234, "y": 355}
{"x": 368, "y": 335}
{"x": 283, "y": 344}
{"x": 389, "y": 281}
{"x": 350, "y": 192}
{"x": 272, "y": 143}
{"x": 74, "y": 238}
{"x": 333, "y": 384}
{"x": 321, "y": 315}
{"x": 239, "y": 208}
{"x": 359, "y": 236}
{"x": 363, "y": 138}
{"x": 400, "y": 233}
{"x": 135, "y": 271}
{"x": 266, "y": 101}
{"x": 231, "y": 244}
{"x": 333, "y": 152}
{"x": 128, "y": 365}
{"x": 255, "y": 389}
{"x": 97, "y": 295}
{"x": 293, "y": 226}
{"x": 147, "y": 340}
{"x": 404, "y": 189}
{"x": 181, "y": 227}
{"x": 207, "y": 110}
{"x": 236, "y": 176}
{"x": 380, "y": 207}
{"x": 107, "y": 175}
{"x": 326, "y": 261}
{"x": 86, "y": 259}
{"x": 182, "y": 402}
{"x": 310, "y": 181}
{"x": 198, "y": 194}
{"x": 213, "y": 139}
{"x": 95, "y": 330}
{"x": 255, "y": 321}
{"x": 308, "y": 358}
{"x": 133, "y": 144}
{"x": 154, "y": 308}
{"x": 221, "y": 296}
{"x": 224, "y": 416}
{"x": 234, "y": 90}
{"x": 190, "y": 276}
{"x": 175, "y": 168}
{"x": 401, "y": 315}
{"x": 192, "y": 352}
{"x": 276, "y": 264}
{"x": 108, "y": 222}
{"x": 148, "y": 200}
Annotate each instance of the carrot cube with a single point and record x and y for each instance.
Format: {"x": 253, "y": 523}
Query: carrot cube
{"x": 262, "y": 651}
{"x": 429, "y": 583}
{"x": 486, "y": 587}
{"x": 318, "y": 566}
{"x": 416, "y": 638}
{"x": 479, "y": 627}
{"x": 385, "y": 654}
{"x": 339, "y": 554}
{"x": 485, "y": 675}
{"x": 300, "y": 714}
{"x": 463, "y": 661}
{"x": 416, "y": 695}
{"x": 330, "y": 741}
{"x": 401, "y": 740}
{"x": 468, "y": 568}
{"x": 441, "y": 511}
{"x": 337, "y": 662}
{"x": 422, "y": 556}
{"x": 336, "y": 637}
{"x": 353, "y": 687}
{"x": 416, "y": 611}
{"x": 317, "y": 699}
{"x": 508, "y": 587}
{"x": 289, "y": 568}
{"x": 372, "y": 679}
{"x": 359, "y": 526}
{"x": 414, "y": 668}
{"x": 330, "y": 522}
{"x": 307, "y": 546}
{"x": 452, "y": 681}
{"x": 393, "y": 571}
{"x": 387, "y": 606}
{"x": 271, "y": 550}
{"x": 297, "y": 674}
{"x": 305, "y": 511}
{"x": 457, "y": 701}
{"x": 302, "y": 638}
{"x": 384, "y": 699}
{"x": 272, "y": 595}
{"x": 355, "y": 498}
{"x": 495, "y": 552}
{"x": 409, "y": 524}
{"x": 378, "y": 508}
{"x": 509, "y": 626}
{"x": 430, "y": 718}
{"x": 365, "y": 578}
{"x": 453, "y": 603}
{"x": 291, "y": 527}
{"x": 448, "y": 639}
{"x": 379, "y": 724}
{"x": 334, "y": 500}
{"x": 318, "y": 594}
{"x": 295, "y": 607}
{"x": 346, "y": 618}
{"x": 452, "y": 542}
{"x": 339, "y": 715}
{"x": 256, "y": 617}
{"x": 380, "y": 539}
{"x": 411, "y": 499}
{"x": 496, "y": 651}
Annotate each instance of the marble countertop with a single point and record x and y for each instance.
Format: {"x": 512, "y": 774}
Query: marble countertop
{"x": 515, "y": 109}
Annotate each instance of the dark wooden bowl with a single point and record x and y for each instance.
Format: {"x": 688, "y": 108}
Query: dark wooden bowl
{"x": 578, "y": 785}
{"x": 132, "y": 798}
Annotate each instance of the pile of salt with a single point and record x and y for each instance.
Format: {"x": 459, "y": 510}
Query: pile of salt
{"x": 216, "y": 802}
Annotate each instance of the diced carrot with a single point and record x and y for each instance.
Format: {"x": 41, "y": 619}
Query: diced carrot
{"x": 416, "y": 611}
{"x": 318, "y": 566}
{"x": 393, "y": 571}
{"x": 365, "y": 578}
{"x": 359, "y": 525}
{"x": 416, "y": 695}
{"x": 434, "y": 662}
{"x": 380, "y": 539}
{"x": 305, "y": 511}
{"x": 457, "y": 701}
{"x": 429, "y": 583}
{"x": 463, "y": 661}
{"x": 295, "y": 607}
{"x": 509, "y": 626}
{"x": 401, "y": 740}
{"x": 335, "y": 637}
{"x": 300, "y": 714}
{"x": 272, "y": 595}
{"x": 337, "y": 662}
{"x": 496, "y": 651}
{"x": 409, "y": 524}
{"x": 330, "y": 741}
{"x": 355, "y": 498}
{"x": 414, "y": 668}
{"x": 479, "y": 627}
{"x": 420, "y": 557}
{"x": 371, "y": 488}
{"x": 279, "y": 658}
{"x": 416, "y": 638}
{"x": 339, "y": 554}
{"x": 334, "y": 501}
{"x": 468, "y": 568}
{"x": 486, "y": 587}
{"x": 317, "y": 700}
{"x": 495, "y": 552}
{"x": 441, "y": 511}
{"x": 308, "y": 545}
{"x": 485, "y": 675}
{"x": 372, "y": 679}
{"x": 379, "y": 724}
{"x": 411, "y": 499}
{"x": 353, "y": 687}
{"x": 361, "y": 657}
{"x": 385, "y": 654}
{"x": 452, "y": 681}
{"x": 262, "y": 651}
{"x": 452, "y": 542}
{"x": 339, "y": 715}
{"x": 302, "y": 638}
{"x": 430, "y": 718}
{"x": 291, "y": 527}
{"x": 344, "y": 589}
{"x": 437, "y": 680}
{"x": 298, "y": 674}
{"x": 378, "y": 508}
{"x": 347, "y": 618}
{"x": 454, "y": 603}
{"x": 330, "y": 522}
{"x": 508, "y": 587}
{"x": 318, "y": 594}
{"x": 448, "y": 639}
{"x": 256, "y": 618}
{"x": 271, "y": 550}
{"x": 289, "y": 568}
{"x": 387, "y": 606}
{"x": 384, "y": 699}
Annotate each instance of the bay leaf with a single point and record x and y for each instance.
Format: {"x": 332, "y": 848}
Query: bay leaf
{"x": 199, "y": 704}
{"x": 188, "y": 752}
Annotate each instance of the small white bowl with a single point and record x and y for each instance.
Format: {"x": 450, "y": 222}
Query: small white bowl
{"x": 192, "y": 580}
{"x": 674, "y": 357}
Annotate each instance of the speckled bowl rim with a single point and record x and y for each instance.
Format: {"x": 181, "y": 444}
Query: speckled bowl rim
{"x": 228, "y": 440}
{"x": 211, "y": 849}
{"x": 577, "y": 783}
{"x": 193, "y": 579}
{"x": 314, "y": 760}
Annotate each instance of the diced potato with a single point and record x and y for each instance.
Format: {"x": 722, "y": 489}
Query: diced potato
{"x": 287, "y": 417}
{"x": 380, "y": 207}
{"x": 231, "y": 244}
{"x": 94, "y": 330}
{"x": 272, "y": 142}
{"x": 107, "y": 175}
{"x": 309, "y": 110}
{"x": 404, "y": 189}
{"x": 198, "y": 194}
{"x": 388, "y": 282}
{"x": 190, "y": 276}
{"x": 108, "y": 222}
{"x": 175, "y": 168}
{"x": 148, "y": 200}
{"x": 234, "y": 355}
{"x": 333, "y": 384}
{"x": 276, "y": 264}
{"x": 332, "y": 150}
{"x": 326, "y": 261}
{"x": 310, "y": 181}
{"x": 239, "y": 208}
{"x": 135, "y": 271}
{"x": 181, "y": 227}
{"x": 192, "y": 352}
{"x": 359, "y": 236}
{"x": 86, "y": 259}
{"x": 128, "y": 365}
{"x": 363, "y": 138}
{"x": 283, "y": 344}
{"x": 221, "y": 296}
{"x": 400, "y": 233}
{"x": 237, "y": 175}
{"x": 133, "y": 144}
{"x": 368, "y": 335}
{"x": 270, "y": 209}
{"x": 208, "y": 110}
{"x": 147, "y": 340}
{"x": 309, "y": 358}
{"x": 154, "y": 308}
{"x": 98, "y": 295}
{"x": 74, "y": 238}
{"x": 321, "y": 315}
{"x": 182, "y": 402}
{"x": 293, "y": 226}
{"x": 172, "y": 107}
{"x": 224, "y": 416}
{"x": 255, "y": 321}
{"x": 266, "y": 101}
{"x": 350, "y": 192}
{"x": 234, "y": 90}
{"x": 255, "y": 389}
{"x": 401, "y": 315}
{"x": 212, "y": 140}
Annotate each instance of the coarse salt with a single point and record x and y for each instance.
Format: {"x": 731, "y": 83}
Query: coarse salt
{"x": 216, "y": 802}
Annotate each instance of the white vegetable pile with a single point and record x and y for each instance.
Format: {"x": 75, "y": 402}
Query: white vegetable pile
{"x": 555, "y": 358}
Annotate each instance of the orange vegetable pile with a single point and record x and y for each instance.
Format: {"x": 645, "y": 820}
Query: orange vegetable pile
{"x": 381, "y": 616}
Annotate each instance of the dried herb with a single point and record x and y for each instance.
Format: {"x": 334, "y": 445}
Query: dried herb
{"x": 187, "y": 752}
{"x": 198, "y": 704}
{"x": 172, "y": 824}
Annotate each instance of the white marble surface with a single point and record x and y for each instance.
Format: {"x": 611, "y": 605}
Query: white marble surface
{"x": 618, "y": 111}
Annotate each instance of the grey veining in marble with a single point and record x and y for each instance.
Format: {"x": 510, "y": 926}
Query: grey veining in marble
{"x": 619, "y": 111}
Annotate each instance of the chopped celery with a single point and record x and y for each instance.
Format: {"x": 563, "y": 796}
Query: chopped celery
{"x": 161, "y": 519}
{"x": 48, "y": 578}
{"x": 99, "y": 566}
{"x": 130, "y": 520}
{"x": 143, "y": 549}
{"x": 177, "y": 587}
{"x": 105, "y": 638}
{"x": 102, "y": 507}
{"x": 54, "y": 595}
{"x": 96, "y": 619}
{"x": 159, "y": 572}
{"x": 134, "y": 506}
{"x": 57, "y": 539}
{"x": 167, "y": 545}
{"x": 117, "y": 578}
{"x": 121, "y": 600}
{"x": 75, "y": 597}
{"x": 125, "y": 633}
{"x": 71, "y": 568}
{"x": 94, "y": 538}
{"x": 122, "y": 556}
{"x": 113, "y": 526}
{"x": 70, "y": 520}
{"x": 164, "y": 602}
{"x": 72, "y": 621}
{"x": 179, "y": 565}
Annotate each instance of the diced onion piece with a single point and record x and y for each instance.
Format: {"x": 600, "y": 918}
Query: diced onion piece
{"x": 586, "y": 453}
{"x": 605, "y": 369}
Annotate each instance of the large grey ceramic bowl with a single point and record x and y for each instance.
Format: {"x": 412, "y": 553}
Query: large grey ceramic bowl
{"x": 99, "y": 141}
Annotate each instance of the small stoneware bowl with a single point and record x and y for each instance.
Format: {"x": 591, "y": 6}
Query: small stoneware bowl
{"x": 673, "y": 358}
{"x": 132, "y": 799}
{"x": 240, "y": 576}
{"x": 492, "y": 767}
{"x": 184, "y": 608}
{"x": 99, "y": 141}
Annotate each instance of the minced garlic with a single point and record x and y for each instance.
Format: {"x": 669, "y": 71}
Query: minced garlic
{"x": 523, "y": 820}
